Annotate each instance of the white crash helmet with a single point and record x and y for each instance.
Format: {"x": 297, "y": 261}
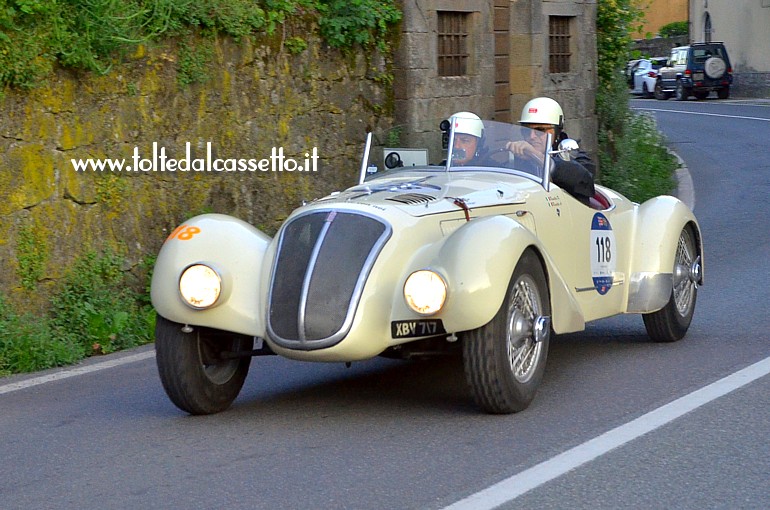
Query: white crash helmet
{"x": 468, "y": 123}
{"x": 542, "y": 110}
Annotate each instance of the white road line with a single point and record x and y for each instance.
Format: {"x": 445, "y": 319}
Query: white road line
{"x": 85, "y": 369}
{"x": 702, "y": 113}
{"x": 513, "y": 487}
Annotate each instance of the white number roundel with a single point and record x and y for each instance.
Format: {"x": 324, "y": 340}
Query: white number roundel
{"x": 603, "y": 252}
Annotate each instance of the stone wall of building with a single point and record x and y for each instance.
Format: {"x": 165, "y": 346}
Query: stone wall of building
{"x": 517, "y": 31}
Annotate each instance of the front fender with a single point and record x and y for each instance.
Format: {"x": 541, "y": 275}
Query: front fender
{"x": 236, "y": 250}
{"x": 479, "y": 259}
{"x": 660, "y": 222}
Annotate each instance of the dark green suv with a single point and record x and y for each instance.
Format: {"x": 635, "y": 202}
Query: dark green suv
{"x": 695, "y": 70}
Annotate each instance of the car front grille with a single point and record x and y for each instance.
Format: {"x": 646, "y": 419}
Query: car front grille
{"x": 321, "y": 265}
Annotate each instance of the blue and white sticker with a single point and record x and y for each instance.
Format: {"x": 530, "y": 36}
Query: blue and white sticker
{"x": 603, "y": 252}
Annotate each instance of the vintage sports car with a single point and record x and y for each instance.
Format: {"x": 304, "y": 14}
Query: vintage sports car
{"x": 441, "y": 246}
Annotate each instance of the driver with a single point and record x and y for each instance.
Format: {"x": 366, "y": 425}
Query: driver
{"x": 545, "y": 115}
{"x": 468, "y": 130}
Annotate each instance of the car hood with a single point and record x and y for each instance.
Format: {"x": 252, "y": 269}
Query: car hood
{"x": 424, "y": 193}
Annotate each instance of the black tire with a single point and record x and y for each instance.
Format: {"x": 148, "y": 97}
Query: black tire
{"x": 659, "y": 93}
{"x": 671, "y": 322}
{"x": 681, "y": 93}
{"x": 701, "y": 94}
{"x": 646, "y": 94}
{"x": 723, "y": 93}
{"x": 520, "y": 331}
{"x": 195, "y": 377}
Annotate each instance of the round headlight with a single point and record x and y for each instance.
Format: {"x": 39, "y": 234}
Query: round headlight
{"x": 200, "y": 286}
{"x": 425, "y": 292}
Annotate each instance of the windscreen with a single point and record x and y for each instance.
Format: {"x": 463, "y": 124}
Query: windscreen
{"x": 458, "y": 143}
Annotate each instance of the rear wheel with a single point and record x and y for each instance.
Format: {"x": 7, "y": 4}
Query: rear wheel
{"x": 505, "y": 359}
{"x": 681, "y": 93}
{"x": 646, "y": 92}
{"x": 194, "y": 369}
{"x": 671, "y": 322}
{"x": 723, "y": 93}
{"x": 660, "y": 94}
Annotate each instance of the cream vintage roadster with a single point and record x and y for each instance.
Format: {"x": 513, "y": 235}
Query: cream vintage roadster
{"x": 425, "y": 254}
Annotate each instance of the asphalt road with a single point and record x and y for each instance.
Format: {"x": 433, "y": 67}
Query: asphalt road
{"x": 619, "y": 422}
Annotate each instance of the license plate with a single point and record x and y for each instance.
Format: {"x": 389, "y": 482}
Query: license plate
{"x": 697, "y": 76}
{"x": 417, "y": 328}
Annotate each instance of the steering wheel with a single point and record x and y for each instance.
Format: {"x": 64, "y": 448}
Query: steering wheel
{"x": 498, "y": 157}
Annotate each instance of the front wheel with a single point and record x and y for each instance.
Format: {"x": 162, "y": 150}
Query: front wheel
{"x": 194, "y": 368}
{"x": 671, "y": 322}
{"x": 504, "y": 360}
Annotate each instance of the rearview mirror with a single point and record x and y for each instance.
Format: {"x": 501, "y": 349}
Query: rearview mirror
{"x": 567, "y": 150}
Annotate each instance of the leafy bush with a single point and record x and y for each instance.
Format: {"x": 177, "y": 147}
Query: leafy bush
{"x": 96, "y": 310}
{"x": 634, "y": 161}
{"x": 345, "y": 23}
{"x": 28, "y": 344}
{"x": 632, "y": 155}
{"x": 674, "y": 29}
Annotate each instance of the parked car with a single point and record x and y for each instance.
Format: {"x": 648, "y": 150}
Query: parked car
{"x": 645, "y": 76}
{"x": 697, "y": 69}
{"x": 628, "y": 72}
{"x": 423, "y": 256}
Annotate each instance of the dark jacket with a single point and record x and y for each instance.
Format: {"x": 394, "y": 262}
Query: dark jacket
{"x": 575, "y": 176}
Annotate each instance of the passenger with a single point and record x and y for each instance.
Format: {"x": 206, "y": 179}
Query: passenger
{"x": 469, "y": 131}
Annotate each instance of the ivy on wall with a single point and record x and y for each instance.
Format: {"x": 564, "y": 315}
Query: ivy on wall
{"x": 36, "y": 35}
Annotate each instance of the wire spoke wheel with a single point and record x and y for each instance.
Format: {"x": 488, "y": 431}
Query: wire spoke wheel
{"x": 523, "y": 350}
{"x": 685, "y": 287}
{"x": 505, "y": 359}
{"x": 671, "y": 322}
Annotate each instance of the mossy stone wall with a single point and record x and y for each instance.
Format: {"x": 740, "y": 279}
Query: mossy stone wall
{"x": 245, "y": 99}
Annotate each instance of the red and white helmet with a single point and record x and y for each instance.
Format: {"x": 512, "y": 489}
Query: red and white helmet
{"x": 542, "y": 110}
{"x": 468, "y": 123}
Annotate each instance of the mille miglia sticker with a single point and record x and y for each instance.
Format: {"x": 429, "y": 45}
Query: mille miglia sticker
{"x": 603, "y": 252}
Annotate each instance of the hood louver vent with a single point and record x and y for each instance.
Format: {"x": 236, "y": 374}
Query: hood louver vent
{"x": 412, "y": 198}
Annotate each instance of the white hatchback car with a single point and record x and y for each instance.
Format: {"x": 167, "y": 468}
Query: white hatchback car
{"x": 645, "y": 74}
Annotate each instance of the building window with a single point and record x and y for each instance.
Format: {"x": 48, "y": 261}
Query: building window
{"x": 452, "y": 43}
{"x": 559, "y": 44}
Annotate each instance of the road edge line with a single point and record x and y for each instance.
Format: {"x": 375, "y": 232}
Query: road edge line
{"x": 80, "y": 370}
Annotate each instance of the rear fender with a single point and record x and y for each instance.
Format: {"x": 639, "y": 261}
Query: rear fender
{"x": 233, "y": 248}
{"x": 660, "y": 222}
{"x": 478, "y": 260}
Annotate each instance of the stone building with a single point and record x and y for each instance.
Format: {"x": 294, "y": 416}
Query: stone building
{"x": 746, "y": 34}
{"x": 492, "y": 56}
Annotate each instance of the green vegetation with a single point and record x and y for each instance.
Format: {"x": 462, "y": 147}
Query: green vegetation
{"x": 31, "y": 255}
{"x": 94, "y": 311}
{"x": 632, "y": 154}
{"x": 674, "y": 29}
{"x": 36, "y": 35}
